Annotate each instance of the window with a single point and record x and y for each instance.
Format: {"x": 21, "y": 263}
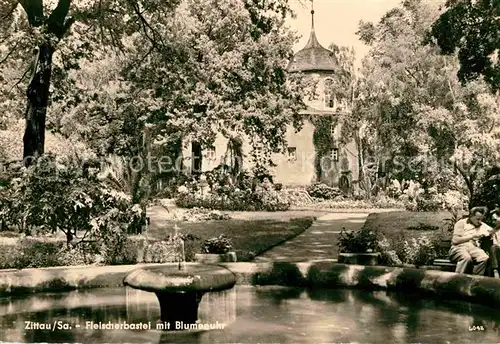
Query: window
{"x": 335, "y": 131}
{"x": 342, "y": 106}
{"x": 335, "y": 154}
{"x": 257, "y": 150}
{"x": 210, "y": 153}
{"x": 329, "y": 98}
{"x": 292, "y": 153}
{"x": 329, "y": 101}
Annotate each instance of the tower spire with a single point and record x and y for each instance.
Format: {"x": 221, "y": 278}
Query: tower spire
{"x": 313, "y": 41}
{"x": 312, "y": 15}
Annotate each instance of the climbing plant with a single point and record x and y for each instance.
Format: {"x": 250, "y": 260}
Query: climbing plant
{"x": 322, "y": 139}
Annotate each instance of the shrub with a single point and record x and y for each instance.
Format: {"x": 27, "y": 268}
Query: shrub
{"x": 382, "y": 202}
{"x": 323, "y": 191}
{"x": 200, "y": 214}
{"x": 39, "y": 252}
{"x": 386, "y": 202}
{"x": 363, "y": 241}
{"x": 33, "y": 252}
{"x": 401, "y": 249}
{"x": 160, "y": 252}
{"x": 218, "y": 245}
{"x": 227, "y": 198}
{"x": 394, "y": 190}
{"x": 58, "y": 195}
{"x": 423, "y": 227}
{"x": 428, "y": 203}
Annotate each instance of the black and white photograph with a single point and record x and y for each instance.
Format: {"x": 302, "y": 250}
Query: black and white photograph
{"x": 250, "y": 171}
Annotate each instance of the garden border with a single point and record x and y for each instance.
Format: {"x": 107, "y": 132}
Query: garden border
{"x": 322, "y": 274}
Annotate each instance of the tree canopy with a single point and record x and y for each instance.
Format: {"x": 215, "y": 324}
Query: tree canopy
{"x": 472, "y": 27}
{"x": 421, "y": 120}
{"x": 121, "y": 65}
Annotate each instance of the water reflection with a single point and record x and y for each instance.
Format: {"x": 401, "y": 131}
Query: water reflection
{"x": 253, "y": 314}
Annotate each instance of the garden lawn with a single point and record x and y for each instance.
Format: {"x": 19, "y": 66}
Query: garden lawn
{"x": 250, "y": 237}
{"x": 410, "y": 224}
{"x": 395, "y": 221}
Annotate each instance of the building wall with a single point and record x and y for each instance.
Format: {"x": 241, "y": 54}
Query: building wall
{"x": 297, "y": 166}
{"x": 294, "y": 168}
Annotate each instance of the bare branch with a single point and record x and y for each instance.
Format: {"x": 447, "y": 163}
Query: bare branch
{"x": 10, "y": 11}
{"x": 20, "y": 80}
{"x": 10, "y": 52}
{"x": 146, "y": 25}
{"x": 410, "y": 73}
{"x": 468, "y": 182}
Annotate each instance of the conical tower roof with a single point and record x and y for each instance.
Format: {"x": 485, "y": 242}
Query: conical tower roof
{"x": 313, "y": 57}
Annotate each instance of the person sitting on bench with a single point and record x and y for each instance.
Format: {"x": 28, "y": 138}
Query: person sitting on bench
{"x": 495, "y": 248}
{"x": 465, "y": 243}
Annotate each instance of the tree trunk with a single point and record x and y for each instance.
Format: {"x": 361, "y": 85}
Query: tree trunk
{"x": 361, "y": 172}
{"x": 38, "y": 98}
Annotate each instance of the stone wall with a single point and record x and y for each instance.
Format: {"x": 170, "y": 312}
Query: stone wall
{"x": 320, "y": 274}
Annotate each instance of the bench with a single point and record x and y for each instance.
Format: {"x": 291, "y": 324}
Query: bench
{"x": 445, "y": 264}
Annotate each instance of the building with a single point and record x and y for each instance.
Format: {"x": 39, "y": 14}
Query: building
{"x": 304, "y": 163}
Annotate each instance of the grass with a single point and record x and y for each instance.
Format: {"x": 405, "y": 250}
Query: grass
{"x": 397, "y": 221}
{"x": 250, "y": 237}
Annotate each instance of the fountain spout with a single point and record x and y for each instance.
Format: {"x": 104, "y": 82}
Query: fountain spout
{"x": 179, "y": 246}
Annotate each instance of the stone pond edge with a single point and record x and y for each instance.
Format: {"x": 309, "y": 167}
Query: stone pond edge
{"x": 319, "y": 274}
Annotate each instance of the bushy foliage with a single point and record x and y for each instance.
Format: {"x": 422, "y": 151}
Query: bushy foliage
{"x": 402, "y": 249}
{"x": 60, "y": 196}
{"x": 40, "y": 252}
{"x": 488, "y": 194}
{"x": 439, "y": 129}
{"x": 380, "y": 202}
{"x": 198, "y": 214}
{"x": 218, "y": 245}
{"x": 362, "y": 241}
{"x": 418, "y": 198}
{"x": 219, "y": 191}
{"x": 323, "y": 191}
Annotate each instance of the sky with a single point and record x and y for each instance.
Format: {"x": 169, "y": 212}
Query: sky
{"x": 336, "y": 21}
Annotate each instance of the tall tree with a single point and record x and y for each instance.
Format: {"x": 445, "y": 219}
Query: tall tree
{"x": 473, "y": 28}
{"x": 232, "y": 76}
{"x": 37, "y": 28}
{"x": 425, "y": 121}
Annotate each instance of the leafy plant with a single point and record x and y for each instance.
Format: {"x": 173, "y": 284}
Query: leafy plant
{"x": 321, "y": 190}
{"x": 363, "y": 241}
{"x": 421, "y": 250}
{"x": 223, "y": 195}
{"x": 52, "y": 196}
{"x": 423, "y": 227}
{"x": 218, "y": 245}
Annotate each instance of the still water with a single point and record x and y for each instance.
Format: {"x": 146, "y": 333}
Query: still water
{"x": 249, "y": 315}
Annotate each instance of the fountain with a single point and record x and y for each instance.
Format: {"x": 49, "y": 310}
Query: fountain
{"x": 179, "y": 289}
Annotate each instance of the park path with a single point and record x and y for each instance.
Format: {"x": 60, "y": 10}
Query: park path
{"x": 318, "y": 242}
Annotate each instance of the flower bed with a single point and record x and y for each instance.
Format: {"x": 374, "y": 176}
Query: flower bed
{"x": 380, "y": 203}
{"x": 234, "y": 200}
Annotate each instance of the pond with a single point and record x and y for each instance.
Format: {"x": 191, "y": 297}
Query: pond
{"x": 247, "y": 314}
